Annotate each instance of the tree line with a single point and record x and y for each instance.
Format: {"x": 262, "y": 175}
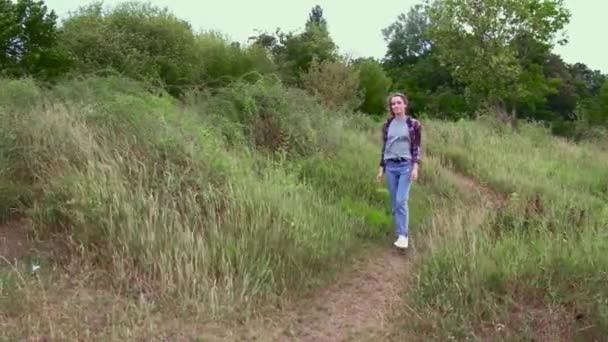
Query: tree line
{"x": 454, "y": 58}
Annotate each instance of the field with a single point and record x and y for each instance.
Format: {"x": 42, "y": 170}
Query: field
{"x": 127, "y": 214}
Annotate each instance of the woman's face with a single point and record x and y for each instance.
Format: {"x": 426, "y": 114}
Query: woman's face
{"x": 397, "y": 105}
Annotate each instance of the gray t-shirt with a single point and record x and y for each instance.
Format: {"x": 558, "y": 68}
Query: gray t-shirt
{"x": 398, "y": 140}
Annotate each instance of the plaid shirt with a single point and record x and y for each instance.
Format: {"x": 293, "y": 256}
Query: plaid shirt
{"x": 415, "y": 128}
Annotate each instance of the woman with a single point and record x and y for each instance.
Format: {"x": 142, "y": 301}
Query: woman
{"x": 401, "y": 147}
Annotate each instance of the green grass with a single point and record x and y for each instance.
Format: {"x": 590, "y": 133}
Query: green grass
{"x": 536, "y": 266}
{"x": 158, "y": 193}
{"x": 213, "y": 207}
{"x": 226, "y": 203}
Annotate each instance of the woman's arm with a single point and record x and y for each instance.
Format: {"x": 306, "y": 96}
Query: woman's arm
{"x": 416, "y": 143}
{"x": 416, "y": 149}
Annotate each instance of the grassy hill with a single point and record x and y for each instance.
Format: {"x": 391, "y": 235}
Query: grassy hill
{"x": 149, "y": 215}
{"x": 536, "y": 266}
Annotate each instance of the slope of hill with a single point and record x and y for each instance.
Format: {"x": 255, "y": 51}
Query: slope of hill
{"x": 536, "y": 268}
{"x": 139, "y": 216}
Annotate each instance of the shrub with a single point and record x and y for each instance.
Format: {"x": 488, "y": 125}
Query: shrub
{"x": 133, "y": 39}
{"x": 335, "y": 83}
{"x": 374, "y": 84}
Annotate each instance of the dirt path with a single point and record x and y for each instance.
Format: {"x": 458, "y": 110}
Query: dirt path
{"x": 16, "y": 246}
{"x": 13, "y": 241}
{"x": 357, "y": 307}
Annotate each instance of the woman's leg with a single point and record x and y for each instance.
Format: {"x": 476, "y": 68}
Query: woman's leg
{"x": 401, "y": 200}
{"x": 392, "y": 181}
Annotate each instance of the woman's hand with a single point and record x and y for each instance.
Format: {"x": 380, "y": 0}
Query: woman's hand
{"x": 380, "y": 174}
{"x": 414, "y": 174}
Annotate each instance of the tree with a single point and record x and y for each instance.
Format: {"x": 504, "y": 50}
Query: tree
{"x": 28, "y": 40}
{"x": 411, "y": 62}
{"x": 596, "y": 112}
{"x": 295, "y": 52}
{"x": 138, "y": 40}
{"x": 315, "y": 19}
{"x": 221, "y": 61}
{"x": 406, "y": 38}
{"x": 475, "y": 40}
{"x": 335, "y": 83}
{"x": 374, "y": 85}
{"x": 588, "y": 82}
{"x": 564, "y": 100}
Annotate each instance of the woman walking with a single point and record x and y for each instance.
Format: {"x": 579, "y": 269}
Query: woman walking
{"x": 401, "y": 148}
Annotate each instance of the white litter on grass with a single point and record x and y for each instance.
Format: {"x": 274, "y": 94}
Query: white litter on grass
{"x": 35, "y": 268}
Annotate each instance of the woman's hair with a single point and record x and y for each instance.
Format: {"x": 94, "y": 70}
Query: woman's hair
{"x": 403, "y": 97}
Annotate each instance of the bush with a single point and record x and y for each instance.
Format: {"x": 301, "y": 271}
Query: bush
{"x": 133, "y": 39}
{"x": 374, "y": 84}
{"x": 223, "y": 62}
{"x": 335, "y": 83}
{"x": 28, "y": 37}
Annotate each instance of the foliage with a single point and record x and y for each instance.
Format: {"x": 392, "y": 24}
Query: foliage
{"x": 221, "y": 62}
{"x": 407, "y": 38}
{"x": 595, "y": 110}
{"x": 335, "y": 83}
{"x": 474, "y": 39}
{"x": 295, "y": 52}
{"x": 133, "y": 39}
{"x": 412, "y": 62}
{"x": 316, "y": 19}
{"x": 28, "y": 36}
{"x": 168, "y": 196}
{"x": 374, "y": 83}
{"x": 451, "y": 57}
{"x": 243, "y": 191}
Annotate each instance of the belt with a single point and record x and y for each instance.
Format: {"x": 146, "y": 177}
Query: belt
{"x": 397, "y": 160}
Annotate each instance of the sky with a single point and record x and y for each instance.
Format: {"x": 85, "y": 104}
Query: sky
{"x": 356, "y": 26}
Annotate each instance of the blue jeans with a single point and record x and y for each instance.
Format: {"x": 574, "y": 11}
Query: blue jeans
{"x": 398, "y": 181}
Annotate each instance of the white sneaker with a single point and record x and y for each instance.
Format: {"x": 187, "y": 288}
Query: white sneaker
{"x": 401, "y": 242}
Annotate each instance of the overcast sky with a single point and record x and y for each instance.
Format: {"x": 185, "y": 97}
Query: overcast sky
{"x": 356, "y": 25}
